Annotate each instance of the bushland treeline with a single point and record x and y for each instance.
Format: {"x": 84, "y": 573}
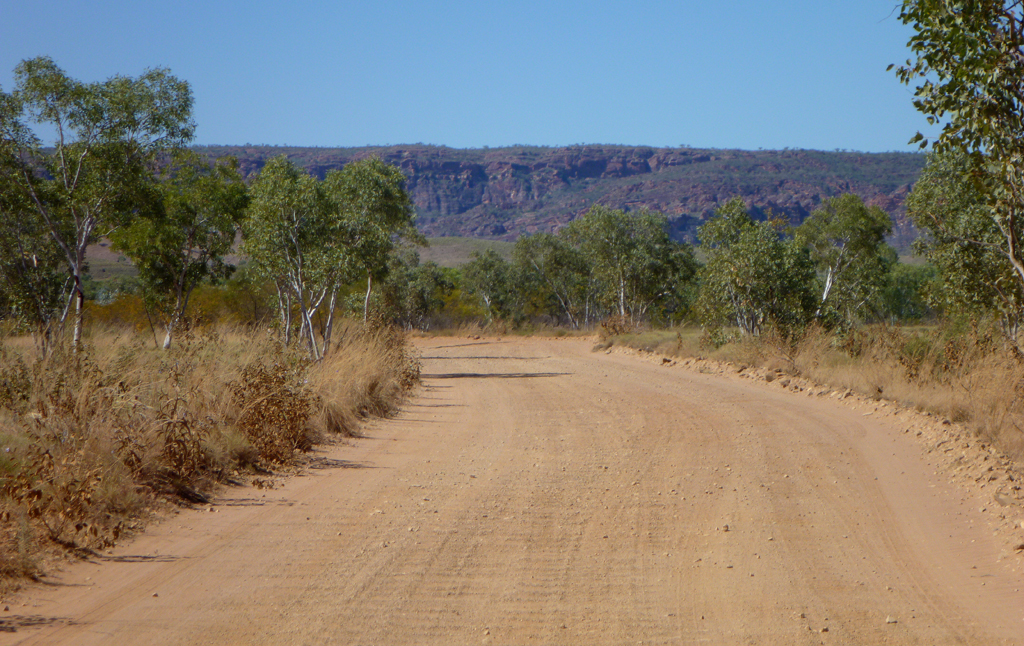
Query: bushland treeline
{"x": 96, "y": 426}
{"x": 312, "y": 250}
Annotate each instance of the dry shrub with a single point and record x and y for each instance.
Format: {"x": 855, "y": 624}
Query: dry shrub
{"x": 275, "y": 406}
{"x": 616, "y": 325}
{"x": 90, "y": 439}
{"x": 57, "y": 491}
{"x": 965, "y": 372}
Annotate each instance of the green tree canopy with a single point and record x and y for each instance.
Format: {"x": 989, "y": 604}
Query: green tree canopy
{"x": 753, "y": 276}
{"x": 98, "y": 171}
{"x": 492, "y": 279}
{"x": 374, "y": 213}
{"x": 184, "y": 240}
{"x": 413, "y": 291}
{"x": 969, "y": 65}
{"x": 564, "y": 275}
{"x": 964, "y": 242}
{"x": 295, "y": 238}
{"x": 633, "y": 257}
{"x": 846, "y": 240}
{"x": 34, "y": 278}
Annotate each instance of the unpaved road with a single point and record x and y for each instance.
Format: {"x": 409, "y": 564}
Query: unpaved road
{"x": 535, "y": 492}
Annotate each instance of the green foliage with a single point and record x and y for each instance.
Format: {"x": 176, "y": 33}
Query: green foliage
{"x": 904, "y": 298}
{"x": 964, "y": 242}
{"x": 846, "y": 241}
{"x": 34, "y": 283}
{"x": 413, "y": 292}
{"x": 635, "y": 262}
{"x": 293, "y": 238}
{"x": 969, "y": 63}
{"x": 970, "y": 68}
{"x": 563, "y": 274}
{"x": 310, "y": 238}
{"x": 97, "y": 172}
{"x": 492, "y": 279}
{"x": 753, "y": 277}
{"x": 185, "y": 239}
{"x": 374, "y": 210}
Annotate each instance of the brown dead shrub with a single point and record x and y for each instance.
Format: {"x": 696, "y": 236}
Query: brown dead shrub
{"x": 275, "y": 408}
{"x": 90, "y": 439}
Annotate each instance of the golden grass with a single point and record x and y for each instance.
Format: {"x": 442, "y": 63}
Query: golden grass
{"x": 90, "y": 440}
{"x": 965, "y": 375}
{"x": 454, "y": 251}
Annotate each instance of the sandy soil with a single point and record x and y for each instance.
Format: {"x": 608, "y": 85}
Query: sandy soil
{"x": 537, "y": 492}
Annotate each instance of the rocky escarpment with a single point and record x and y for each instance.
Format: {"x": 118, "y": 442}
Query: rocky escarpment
{"x": 506, "y": 192}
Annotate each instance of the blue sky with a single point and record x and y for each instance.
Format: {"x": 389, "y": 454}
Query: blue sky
{"x": 741, "y": 74}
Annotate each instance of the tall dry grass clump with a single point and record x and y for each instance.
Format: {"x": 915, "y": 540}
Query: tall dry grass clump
{"x": 965, "y": 372}
{"x": 92, "y": 439}
{"x": 367, "y": 375}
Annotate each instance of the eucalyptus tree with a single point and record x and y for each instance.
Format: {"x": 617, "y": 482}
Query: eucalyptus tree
{"x": 964, "y": 242}
{"x": 375, "y": 211}
{"x": 493, "y": 279}
{"x": 635, "y": 260}
{"x": 34, "y": 280}
{"x": 909, "y": 293}
{"x": 185, "y": 238}
{"x": 753, "y": 277}
{"x": 413, "y": 291}
{"x": 563, "y": 272}
{"x": 969, "y": 64}
{"x": 295, "y": 238}
{"x": 846, "y": 240}
{"x": 98, "y": 170}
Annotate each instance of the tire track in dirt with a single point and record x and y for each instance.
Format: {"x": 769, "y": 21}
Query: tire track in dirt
{"x": 534, "y": 491}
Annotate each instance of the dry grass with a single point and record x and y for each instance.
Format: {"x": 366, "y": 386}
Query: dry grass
{"x": 455, "y": 251}
{"x": 367, "y": 375}
{"x": 91, "y": 440}
{"x": 963, "y": 374}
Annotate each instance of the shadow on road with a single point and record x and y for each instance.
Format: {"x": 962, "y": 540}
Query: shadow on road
{"x": 463, "y": 345}
{"x": 13, "y": 623}
{"x": 493, "y": 375}
{"x": 331, "y": 463}
{"x": 485, "y": 357}
{"x": 140, "y": 558}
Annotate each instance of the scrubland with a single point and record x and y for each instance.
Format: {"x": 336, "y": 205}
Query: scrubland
{"x": 92, "y": 441}
{"x": 964, "y": 373}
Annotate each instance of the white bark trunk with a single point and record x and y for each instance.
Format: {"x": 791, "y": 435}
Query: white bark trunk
{"x": 366, "y": 301}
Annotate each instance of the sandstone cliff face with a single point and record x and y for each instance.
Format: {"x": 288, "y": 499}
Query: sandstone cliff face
{"x": 507, "y": 192}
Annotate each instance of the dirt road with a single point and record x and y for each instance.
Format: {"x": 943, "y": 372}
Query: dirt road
{"x": 536, "y": 492}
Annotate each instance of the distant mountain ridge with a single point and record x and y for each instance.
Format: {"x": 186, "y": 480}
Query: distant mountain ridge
{"x": 502, "y": 193}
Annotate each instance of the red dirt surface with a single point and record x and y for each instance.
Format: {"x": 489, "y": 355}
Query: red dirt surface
{"x": 536, "y": 492}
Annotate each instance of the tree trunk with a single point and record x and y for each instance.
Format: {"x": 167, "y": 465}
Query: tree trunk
{"x": 825, "y": 292}
{"x": 329, "y": 326}
{"x": 76, "y": 342}
{"x": 622, "y": 298}
{"x": 366, "y": 301}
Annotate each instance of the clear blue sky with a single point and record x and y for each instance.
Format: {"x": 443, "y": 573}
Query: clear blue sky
{"x": 742, "y": 74}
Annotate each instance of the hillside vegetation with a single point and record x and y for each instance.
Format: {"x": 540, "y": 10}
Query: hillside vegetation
{"x": 503, "y": 193}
